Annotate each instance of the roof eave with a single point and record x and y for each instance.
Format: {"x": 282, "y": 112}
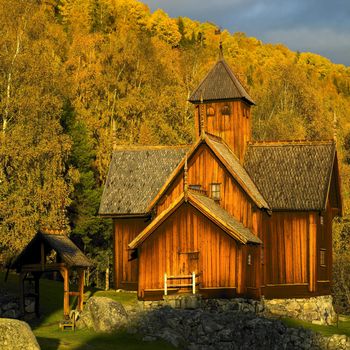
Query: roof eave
{"x": 243, "y": 99}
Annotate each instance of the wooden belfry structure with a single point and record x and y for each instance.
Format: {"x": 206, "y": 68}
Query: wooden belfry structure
{"x": 51, "y": 251}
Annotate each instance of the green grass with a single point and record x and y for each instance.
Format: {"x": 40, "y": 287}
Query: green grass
{"x": 50, "y": 337}
{"x": 343, "y": 326}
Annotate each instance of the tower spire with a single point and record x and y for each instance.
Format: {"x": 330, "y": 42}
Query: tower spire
{"x": 201, "y": 115}
{"x": 185, "y": 179}
{"x": 221, "y": 52}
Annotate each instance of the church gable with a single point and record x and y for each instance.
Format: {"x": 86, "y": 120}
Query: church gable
{"x": 212, "y": 166}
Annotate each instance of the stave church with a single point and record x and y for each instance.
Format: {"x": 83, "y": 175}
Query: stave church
{"x": 226, "y": 216}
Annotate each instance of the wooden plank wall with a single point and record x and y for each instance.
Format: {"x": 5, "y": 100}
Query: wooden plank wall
{"x": 286, "y": 248}
{"x": 235, "y": 129}
{"x": 203, "y": 169}
{"x": 126, "y": 272}
{"x": 187, "y": 230}
{"x": 324, "y": 242}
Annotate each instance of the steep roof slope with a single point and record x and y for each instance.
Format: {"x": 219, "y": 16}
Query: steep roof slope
{"x": 229, "y": 161}
{"x": 235, "y": 167}
{"x": 220, "y": 84}
{"x": 292, "y": 175}
{"x": 208, "y": 208}
{"x": 69, "y": 253}
{"x": 135, "y": 176}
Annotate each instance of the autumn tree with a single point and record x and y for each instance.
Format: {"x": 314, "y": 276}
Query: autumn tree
{"x": 35, "y": 181}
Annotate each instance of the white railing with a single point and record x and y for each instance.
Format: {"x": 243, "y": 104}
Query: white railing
{"x": 191, "y": 285}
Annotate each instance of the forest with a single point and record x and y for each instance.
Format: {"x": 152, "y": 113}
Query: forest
{"x": 78, "y": 76}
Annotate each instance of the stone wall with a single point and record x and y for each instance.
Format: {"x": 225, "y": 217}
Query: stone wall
{"x": 318, "y": 310}
{"x": 212, "y": 329}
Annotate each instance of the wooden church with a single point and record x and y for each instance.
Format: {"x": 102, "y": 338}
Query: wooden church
{"x": 226, "y": 216}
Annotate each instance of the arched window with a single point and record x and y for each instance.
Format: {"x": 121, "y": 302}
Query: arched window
{"x": 225, "y": 110}
{"x": 210, "y": 111}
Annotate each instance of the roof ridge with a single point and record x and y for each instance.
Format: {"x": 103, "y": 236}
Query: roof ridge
{"x": 150, "y": 147}
{"x": 235, "y": 79}
{"x": 222, "y": 141}
{"x": 291, "y": 142}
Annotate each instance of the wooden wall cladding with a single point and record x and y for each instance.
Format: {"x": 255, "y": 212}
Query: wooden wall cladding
{"x": 188, "y": 242}
{"x": 234, "y": 128}
{"x": 125, "y": 271}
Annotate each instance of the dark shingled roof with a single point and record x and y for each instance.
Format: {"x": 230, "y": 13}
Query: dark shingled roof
{"x": 69, "y": 253}
{"x": 220, "y": 84}
{"x": 236, "y": 167}
{"x": 226, "y": 217}
{"x": 292, "y": 175}
{"x": 135, "y": 177}
{"x": 67, "y": 250}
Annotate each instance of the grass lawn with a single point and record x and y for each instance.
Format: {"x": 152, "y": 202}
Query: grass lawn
{"x": 343, "y": 326}
{"x": 50, "y": 337}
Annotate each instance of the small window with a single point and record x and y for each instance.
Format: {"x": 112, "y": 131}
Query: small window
{"x": 215, "y": 191}
{"x": 210, "y": 111}
{"x": 262, "y": 255}
{"x": 323, "y": 257}
{"x": 225, "y": 110}
{"x": 321, "y": 220}
{"x": 195, "y": 187}
{"x": 249, "y": 259}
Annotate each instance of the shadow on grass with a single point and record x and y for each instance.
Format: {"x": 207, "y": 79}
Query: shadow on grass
{"x": 47, "y": 331}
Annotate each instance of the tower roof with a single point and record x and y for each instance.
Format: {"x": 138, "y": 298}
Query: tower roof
{"x": 220, "y": 84}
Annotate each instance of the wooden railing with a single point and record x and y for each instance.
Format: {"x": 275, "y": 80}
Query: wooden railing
{"x": 192, "y": 285}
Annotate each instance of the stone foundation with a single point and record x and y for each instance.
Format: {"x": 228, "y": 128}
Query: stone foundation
{"x": 318, "y": 310}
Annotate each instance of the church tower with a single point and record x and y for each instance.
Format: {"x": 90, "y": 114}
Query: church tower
{"x": 223, "y": 108}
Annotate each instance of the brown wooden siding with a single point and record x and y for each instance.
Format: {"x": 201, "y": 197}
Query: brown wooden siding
{"x": 203, "y": 169}
{"x": 126, "y": 272}
{"x": 188, "y": 242}
{"x": 324, "y": 243}
{"x": 286, "y": 248}
{"x": 234, "y": 129}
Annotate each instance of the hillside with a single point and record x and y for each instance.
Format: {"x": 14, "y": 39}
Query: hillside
{"x": 77, "y": 76}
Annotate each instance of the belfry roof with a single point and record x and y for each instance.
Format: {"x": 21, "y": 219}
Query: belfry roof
{"x": 220, "y": 84}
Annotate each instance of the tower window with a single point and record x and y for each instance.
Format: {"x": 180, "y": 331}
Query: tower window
{"x": 225, "y": 110}
{"x": 215, "y": 191}
{"x": 321, "y": 220}
{"x": 249, "y": 259}
{"x": 323, "y": 257}
{"x": 210, "y": 111}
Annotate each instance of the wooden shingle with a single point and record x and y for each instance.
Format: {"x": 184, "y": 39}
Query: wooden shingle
{"x": 292, "y": 175}
{"x": 135, "y": 176}
{"x": 220, "y": 84}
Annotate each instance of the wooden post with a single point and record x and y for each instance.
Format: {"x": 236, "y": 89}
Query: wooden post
{"x": 65, "y": 275}
{"x": 21, "y": 292}
{"x": 165, "y": 284}
{"x": 42, "y": 256}
{"x": 37, "y": 294}
{"x": 81, "y": 290}
{"x": 312, "y": 252}
{"x": 193, "y": 283}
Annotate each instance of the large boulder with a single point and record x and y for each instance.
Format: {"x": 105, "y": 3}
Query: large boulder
{"x": 103, "y": 315}
{"x": 16, "y": 335}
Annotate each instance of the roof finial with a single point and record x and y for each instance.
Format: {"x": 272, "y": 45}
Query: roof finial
{"x": 221, "y": 53}
{"x": 201, "y": 115}
{"x": 185, "y": 179}
{"x": 335, "y": 127}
